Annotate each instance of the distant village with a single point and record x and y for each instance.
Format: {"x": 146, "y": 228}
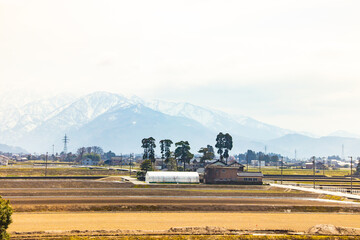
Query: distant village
{"x": 211, "y": 168}
{"x": 331, "y": 162}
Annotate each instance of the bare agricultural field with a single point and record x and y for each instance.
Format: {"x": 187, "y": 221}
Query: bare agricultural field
{"x": 93, "y": 195}
{"x": 29, "y": 222}
{"x": 277, "y": 171}
{"x": 83, "y": 208}
{"x": 32, "y": 171}
{"x": 30, "y": 185}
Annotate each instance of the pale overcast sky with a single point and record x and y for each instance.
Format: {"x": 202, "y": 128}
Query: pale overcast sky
{"x": 291, "y": 63}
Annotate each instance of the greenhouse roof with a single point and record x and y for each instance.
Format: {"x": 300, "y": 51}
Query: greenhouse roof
{"x": 172, "y": 177}
{"x": 172, "y": 173}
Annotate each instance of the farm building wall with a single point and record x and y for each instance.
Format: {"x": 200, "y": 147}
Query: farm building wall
{"x": 231, "y": 175}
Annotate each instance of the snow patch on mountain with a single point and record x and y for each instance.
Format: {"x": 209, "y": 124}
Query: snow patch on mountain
{"x": 219, "y": 121}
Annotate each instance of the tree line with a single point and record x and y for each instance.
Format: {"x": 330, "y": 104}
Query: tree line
{"x": 182, "y": 153}
{"x": 250, "y": 155}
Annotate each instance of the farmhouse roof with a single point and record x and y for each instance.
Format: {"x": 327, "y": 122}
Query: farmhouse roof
{"x": 237, "y": 164}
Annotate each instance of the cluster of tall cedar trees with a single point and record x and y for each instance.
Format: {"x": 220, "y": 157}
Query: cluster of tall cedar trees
{"x": 182, "y": 151}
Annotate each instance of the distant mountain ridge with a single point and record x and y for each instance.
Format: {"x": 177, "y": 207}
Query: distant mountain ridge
{"x": 215, "y": 120}
{"x": 344, "y": 134}
{"x": 308, "y": 146}
{"x": 11, "y": 149}
{"x": 118, "y": 123}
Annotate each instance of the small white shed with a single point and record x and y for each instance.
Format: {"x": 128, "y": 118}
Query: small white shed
{"x": 172, "y": 177}
{"x": 4, "y": 160}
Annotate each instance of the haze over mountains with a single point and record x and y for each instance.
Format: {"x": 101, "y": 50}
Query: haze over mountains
{"x": 117, "y": 123}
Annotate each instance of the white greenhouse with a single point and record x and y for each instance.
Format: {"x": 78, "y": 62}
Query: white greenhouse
{"x": 172, "y": 177}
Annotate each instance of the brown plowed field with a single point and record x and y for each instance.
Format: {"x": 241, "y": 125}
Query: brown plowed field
{"x": 89, "y": 205}
{"x": 90, "y": 195}
{"x": 165, "y": 201}
{"x": 265, "y": 192}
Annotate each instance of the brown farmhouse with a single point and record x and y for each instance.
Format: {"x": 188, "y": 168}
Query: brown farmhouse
{"x": 231, "y": 175}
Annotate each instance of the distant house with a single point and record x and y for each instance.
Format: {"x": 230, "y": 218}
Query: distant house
{"x": 115, "y": 161}
{"x": 88, "y": 162}
{"x": 19, "y": 158}
{"x": 4, "y": 160}
{"x": 159, "y": 164}
{"x": 309, "y": 165}
{"x": 195, "y": 164}
{"x": 215, "y": 174}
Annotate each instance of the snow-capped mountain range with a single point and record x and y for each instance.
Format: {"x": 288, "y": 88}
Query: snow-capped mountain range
{"x": 118, "y": 123}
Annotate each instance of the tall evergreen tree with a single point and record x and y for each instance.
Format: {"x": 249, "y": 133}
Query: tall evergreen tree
{"x": 224, "y": 142}
{"x": 210, "y": 149}
{"x": 165, "y": 149}
{"x": 207, "y": 154}
{"x": 182, "y": 152}
{"x": 149, "y": 148}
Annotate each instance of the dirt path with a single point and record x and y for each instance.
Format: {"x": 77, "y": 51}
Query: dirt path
{"x": 163, "y": 221}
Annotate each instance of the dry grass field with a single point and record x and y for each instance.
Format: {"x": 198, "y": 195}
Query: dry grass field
{"x": 31, "y": 171}
{"x": 162, "y": 221}
{"x": 290, "y": 171}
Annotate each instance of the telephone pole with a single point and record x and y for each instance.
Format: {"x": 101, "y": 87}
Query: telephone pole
{"x": 247, "y": 162}
{"x": 282, "y": 164}
{"x": 313, "y": 170}
{"x": 130, "y": 162}
{"x": 351, "y": 180}
{"x": 259, "y": 163}
{"x": 46, "y": 158}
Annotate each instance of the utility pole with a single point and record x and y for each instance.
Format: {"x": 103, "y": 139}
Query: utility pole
{"x": 324, "y": 166}
{"x": 282, "y": 164}
{"x": 46, "y": 158}
{"x": 247, "y": 163}
{"x": 259, "y": 163}
{"x": 313, "y": 170}
{"x": 351, "y": 175}
{"x": 53, "y": 148}
{"x": 130, "y": 163}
